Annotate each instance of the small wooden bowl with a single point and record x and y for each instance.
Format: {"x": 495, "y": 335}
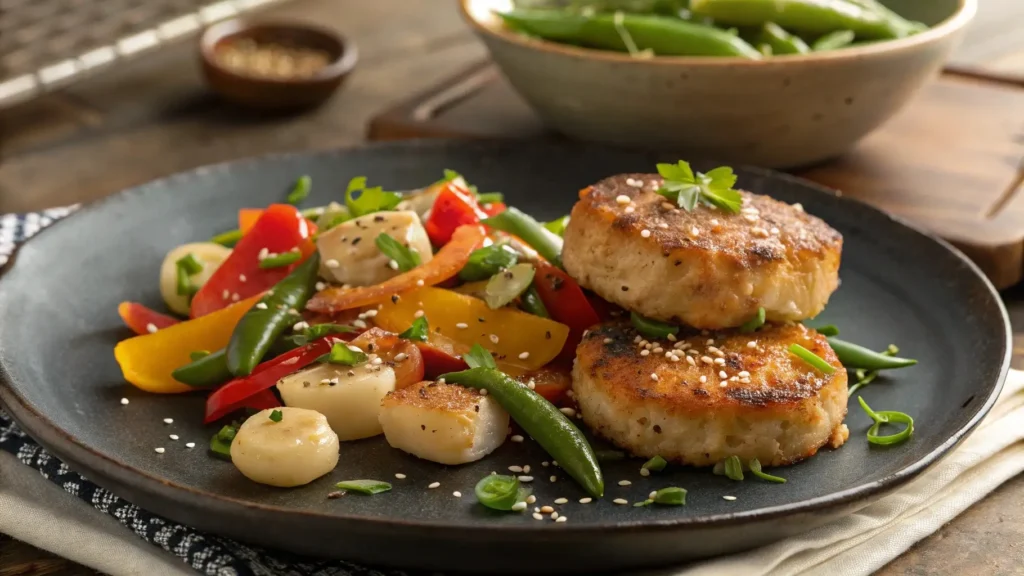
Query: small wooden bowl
{"x": 272, "y": 93}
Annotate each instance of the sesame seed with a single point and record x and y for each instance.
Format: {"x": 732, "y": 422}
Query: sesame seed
{"x": 320, "y": 286}
{"x": 652, "y": 494}
{"x": 332, "y": 263}
{"x": 567, "y": 411}
{"x": 434, "y": 485}
{"x": 561, "y": 501}
{"x": 369, "y": 314}
{"x": 723, "y": 384}
{"x": 714, "y": 222}
{"x": 586, "y": 500}
{"x": 751, "y": 344}
{"x": 261, "y": 305}
{"x": 645, "y": 352}
{"x": 173, "y": 437}
{"x": 553, "y": 478}
{"x": 645, "y": 472}
{"x": 483, "y": 392}
{"x": 225, "y": 294}
{"x": 376, "y": 361}
{"x": 264, "y": 252}
{"x": 532, "y": 385}
{"x": 729, "y": 498}
{"x": 393, "y": 264}
{"x": 758, "y": 231}
{"x": 798, "y": 207}
{"x": 494, "y": 338}
{"x": 457, "y": 494}
{"x": 400, "y": 476}
{"x": 516, "y": 469}
{"x": 694, "y": 231}
{"x": 638, "y": 339}
{"x": 300, "y": 326}
{"x": 750, "y": 217}
{"x": 629, "y": 210}
{"x": 537, "y": 516}
{"x": 168, "y": 420}
{"x": 622, "y": 199}
{"x": 703, "y": 379}
{"x": 691, "y": 361}
{"x": 124, "y": 401}
{"x": 544, "y": 463}
{"x": 531, "y": 499}
{"x": 658, "y": 350}
{"x": 401, "y": 356}
{"x": 554, "y": 515}
{"x": 519, "y": 506}
{"x": 190, "y": 445}
{"x": 524, "y": 355}
{"x": 546, "y": 509}
{"x": 774, "y": 231}
{"x": 526, "y": 478}
{"x": 722, "y": 374}
{"x": 707, "y": 360}
{"x": 419, "y": 314}
{"x": 517, "y": 438}
{"x": 526, "y": 469}
{"x": 624, "y": 483}
{"x": 621, "y": 501}
{"x": 654, "y": 376}
{"x": 645, "y": 233}
{"x": 720, "y": 361}
{"x": 462, "y": 325}
{"x": 359, "y": 323}
{"x": 159, "y": 450}
{"x": 744, "y": 374}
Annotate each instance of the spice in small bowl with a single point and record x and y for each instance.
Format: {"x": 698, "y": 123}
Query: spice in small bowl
{"x": 274, "y": 65}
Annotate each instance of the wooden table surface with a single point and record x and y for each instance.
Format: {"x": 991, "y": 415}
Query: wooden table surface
{"x": 153, "y": 117}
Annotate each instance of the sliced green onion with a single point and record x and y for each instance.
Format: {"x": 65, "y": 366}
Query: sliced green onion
{"x": 755, "y": 469}
{"x": 733, "y": 468}
{"x": 518, "y": 223}
{"x": 507, "y": 285}
{"x": 652, "y": 329}
{"x": 887, "y": 417}
{"x": 341, "y": 354}
{"x": 318, "y": 331}
{"x": 811, "y": 358}
{"x": 530, "y": 302}
{"x": 609, "y": 455}
{"x": 656, "y": 464}
{"x": 487, "y": 262}
{"x": 499, "y": 492}
{"x": 406, "y": 258}
{"x": 276, "y": 415}
{"x": 300, "y": 190}
{"x": 449, "y": 175}
{"x": 198, "y": 355}
{"x": 187, "y": 266}
{"x": 490, "y": 197}
{"x": 368, "y": 200}
{"x": 316, "y": 211}
{"x": 479, "y": 357}
{"x": 671, "y": 496}
{"x": 368, "y": 487}
{"x": 418, "y": 331}
{"x": 190, "y": 264}
{"x": 228, "y": 239}
{"x": 643, "y": 503}
{"x": 827, "y": 330}
{"x": 557, "y": 226}
{"x": 220, "y": 443}
{"x": 754, "y": 323}
{"x": 184, "y": 285}
{"x": 279, "y": 260}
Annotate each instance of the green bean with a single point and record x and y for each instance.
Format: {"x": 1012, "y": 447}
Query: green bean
{"x": 782, "y": 42}
{"x": 834, "y": 41}
{"x": 665, "y": 36}
{"x": 264, "y": 322}
{"x": 652, "y": 328}
{"x": 227, "y": 239}
{"x": 853, "y": 356}
{"x": 530, "y": 231}
{"x": 542, "y": 421}
{"x": 205, "y": 371}
{"x": 804, "y": 16}
{"x": 895, "y": 19}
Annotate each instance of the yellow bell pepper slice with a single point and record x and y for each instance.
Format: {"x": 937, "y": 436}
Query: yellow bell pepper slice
{"x": 148, "y": 360}
{"x": 514, "y": 337}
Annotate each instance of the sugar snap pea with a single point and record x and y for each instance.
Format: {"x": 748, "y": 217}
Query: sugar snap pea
{"x": 853, "y": 356}
{"x": 204, "y": 372}
{"x": 521, "y": 224}
{"x": 804, "y": 16}
{"x": 782, "y": 42}
{"x": 542, "y": 421}
{"x": 834, "y": 40}
{"x": 663, "y": 35}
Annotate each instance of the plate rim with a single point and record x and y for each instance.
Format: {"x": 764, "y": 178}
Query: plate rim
{"x": 76, "y": 452}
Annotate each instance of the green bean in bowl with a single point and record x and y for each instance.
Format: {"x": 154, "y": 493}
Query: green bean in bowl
{"x": 777, "y": 83}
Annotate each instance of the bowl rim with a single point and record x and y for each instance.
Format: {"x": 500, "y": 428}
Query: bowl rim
{"x": 956, "y": 21}
{"x": 340, "y": 66}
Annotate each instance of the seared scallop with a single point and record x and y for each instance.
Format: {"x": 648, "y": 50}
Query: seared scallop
{"x": 443, "y": 423}
{"x": 348, "y": 396}
{"x": 701, "y": 399}
{"x": 706, "y": 268}
{"x": 292, "y": 450}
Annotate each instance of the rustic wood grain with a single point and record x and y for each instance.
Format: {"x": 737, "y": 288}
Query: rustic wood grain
{"x": 153, "y": 117}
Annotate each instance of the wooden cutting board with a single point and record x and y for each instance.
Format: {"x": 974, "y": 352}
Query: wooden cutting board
{"x": 951, "y": 162}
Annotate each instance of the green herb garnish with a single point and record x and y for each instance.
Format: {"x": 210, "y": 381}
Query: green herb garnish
{"x": 656, "y": 464}
{"x": 671, "y": 496}
{"x": 279, "y": 260}
{"x": 488, "y": 261}
{"x": 688, "y": 188}
{"x": 406, "y": 258}
{"x": 227, "y": 239}
{"x": 755, "y": 469}
{"x": 558, "y": 226}
{"x": 811, "y": 358}
{"x": 643, "y": 503}
{"x": 865, "y": 377}
{"x": 733, "y": 468}
{"x": 368, "y": 487}
{"x": 300, "y": 190}
{"x": 187, "y": 266}
{"x": 418, "y": 331}
{"x": 276, "y": 416}
{"x": 500, "y": 492}
{"x": 318, "y": 331}
{"x": 887, "y": 417}
{"x": 361, "y": 200}
{"x": 220, "y": 443}
{"x": 479, "y": 357}
{"x": 490, "y": 197}
{"x": 341, "y": 354}
{"x": 754, "y": 323}
{"x": 652, "y": 329}
{"x": 828, "y": 330}
{"x": 609, "y": 455}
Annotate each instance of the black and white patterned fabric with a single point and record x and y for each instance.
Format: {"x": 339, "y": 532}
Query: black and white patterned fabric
{"x": 207, "y": 553}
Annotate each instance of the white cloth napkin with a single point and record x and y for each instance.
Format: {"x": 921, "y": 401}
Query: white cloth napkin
{"x": 40, "y": 513}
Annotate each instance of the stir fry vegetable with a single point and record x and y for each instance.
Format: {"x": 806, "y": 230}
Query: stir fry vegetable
{"x": 142, "y": 320}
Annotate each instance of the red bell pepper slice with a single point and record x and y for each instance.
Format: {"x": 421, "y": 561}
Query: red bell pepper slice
{"x": 551, "y": 383}
{"x": 139, "y": 318}
{"x": 455, "y": 206}
{"x": 236, "y": 394}
{"x": 493, "y": 208}
{"x": 440, "y": 356}
{"x": 279, "y": 229}
{"x": 261, "y": 400}
{"x": 566, "y": 303}
{"x": 247, "y": 218}
{"x": 387, "y": 345}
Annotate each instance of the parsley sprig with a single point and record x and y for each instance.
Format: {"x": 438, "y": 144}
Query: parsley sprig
{"x": 688, "y": 187}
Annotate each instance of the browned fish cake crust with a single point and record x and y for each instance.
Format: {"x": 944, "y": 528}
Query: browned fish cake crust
{"x": 646, "y": 397}
{"x": 706, "y": 268}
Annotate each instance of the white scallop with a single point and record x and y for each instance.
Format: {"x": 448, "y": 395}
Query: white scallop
{"x": 298, "y": 449}
{"x": 351, "y": 406}
{"x": 352, "y": 245}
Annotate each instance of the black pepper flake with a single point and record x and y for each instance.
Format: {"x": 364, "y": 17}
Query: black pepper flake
{"x": 378, "y": 218}
{"x": 423, "y": 392}
{"x": 480, "y": 320}
{"x": 370, "y": 347}
{"x": 305, "y": 384}
{"x": 332, "y": 383}
{"x": 423, "y": 427}
{"x": 394, "y": 298}
{"x": 476, "y": 408}
{"x": 625, "y": 288}
{"x": 547, "y": 335}
{"x": 556, "y": 282}
{"x": 336, "y": 494}
{"x": 678, "y": 262}
{"x": 657, "y": 429}
{"x": 357, "y": 240}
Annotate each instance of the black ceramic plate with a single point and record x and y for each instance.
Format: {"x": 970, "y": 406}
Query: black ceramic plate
{"x": 58, "y": 304}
